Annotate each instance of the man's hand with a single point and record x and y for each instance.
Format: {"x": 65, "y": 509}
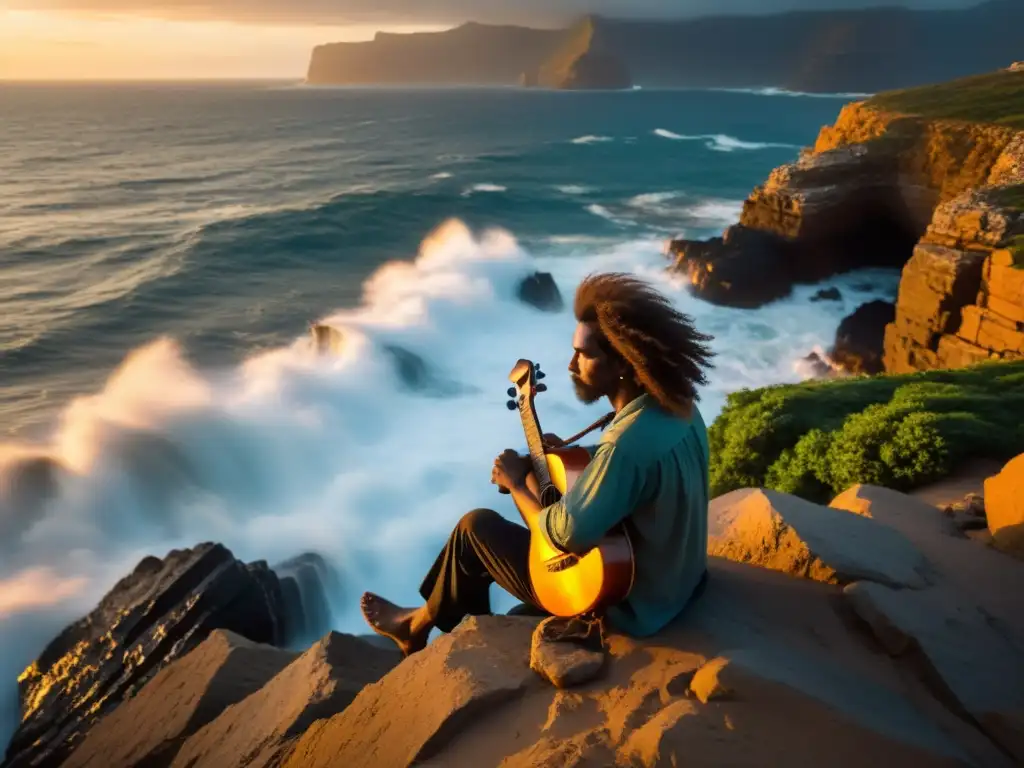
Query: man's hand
{"x": 510, "y": 469}
{"x": 552, "y": 440}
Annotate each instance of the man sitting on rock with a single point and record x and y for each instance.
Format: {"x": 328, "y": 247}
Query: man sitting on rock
{"x": 649, "y": 472}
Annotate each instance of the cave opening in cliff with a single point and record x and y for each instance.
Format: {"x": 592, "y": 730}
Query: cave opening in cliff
{"x": 876, "y": 229}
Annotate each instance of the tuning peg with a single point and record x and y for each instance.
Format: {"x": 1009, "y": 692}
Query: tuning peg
{"x": 512, "y": 392}
{"x": 511, "y": 404}
{"x": 541, "y": 375}
{"x": 536, "y": 366}
{"x": 542, "y": 387}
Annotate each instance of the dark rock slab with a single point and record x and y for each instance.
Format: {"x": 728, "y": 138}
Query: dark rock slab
{"x": 860, "y": 338}
{"x": 150, "y": 728}
{"x": 158, "y": 613}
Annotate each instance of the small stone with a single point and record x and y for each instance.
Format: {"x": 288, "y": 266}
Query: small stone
{"x": 564, "y": 663}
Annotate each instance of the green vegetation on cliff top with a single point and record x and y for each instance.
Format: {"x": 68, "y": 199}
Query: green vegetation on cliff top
{"x": 995, "y": 97}
{"x": 818, "y": 438}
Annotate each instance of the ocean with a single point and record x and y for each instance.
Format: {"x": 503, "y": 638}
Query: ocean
{"x": 164, "y": 248}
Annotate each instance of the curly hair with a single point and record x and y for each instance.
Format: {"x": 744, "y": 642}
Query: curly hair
{"x": 638, "y": 326}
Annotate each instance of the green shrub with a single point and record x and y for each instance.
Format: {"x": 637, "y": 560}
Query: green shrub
{"x": 818, "y": 438}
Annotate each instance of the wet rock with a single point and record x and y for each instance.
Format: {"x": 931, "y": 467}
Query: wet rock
{"x": 827, "y": 294}
{"x": 149, "y": 729}
{"x": 160, "y": 612}
{"x": 743, "y": 268}
{"x": 311, "y": 586}
{"x": 413, "y": 371}
{"x": 261, "y": 729}
{"x": 539, "y": 290}
{"x": 788, "y": 534}
{"x": 859, "y": 345}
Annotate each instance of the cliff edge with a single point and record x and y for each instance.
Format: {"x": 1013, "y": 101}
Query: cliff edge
{"x": 585, "y": 60}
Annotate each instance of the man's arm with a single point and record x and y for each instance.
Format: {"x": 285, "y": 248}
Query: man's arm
{"x": 606, "y": 493}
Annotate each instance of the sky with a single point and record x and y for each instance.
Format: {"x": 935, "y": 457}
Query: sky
{"x": 184, "y": 39}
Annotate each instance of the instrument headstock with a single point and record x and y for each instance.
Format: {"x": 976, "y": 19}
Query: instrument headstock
{"x": 525, "y": 376}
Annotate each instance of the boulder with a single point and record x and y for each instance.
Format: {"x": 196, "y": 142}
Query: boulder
{"x": 428, "y": 699}
{"x": 1004, "y": 507}
{"x": 148, "y": 729}
{"x": 979, "y": 573}
{"x": 561, "y": 661}
{"x": 158, "y": 613}
{"x": 800, "y": 689}
{"x": 973, "y": 667}
{"x": 743, "y": 268}
{"x": 415, "y": 373}
{"x": 260, "y": 729}
{"x": 859, "y": 345}
{"x": 539, "y": 290}
{"x": 788, "y": 534}
{"x": 827, "y": 294}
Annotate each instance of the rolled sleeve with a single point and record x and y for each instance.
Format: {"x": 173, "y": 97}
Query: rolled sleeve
{"x": 604, "y": 495}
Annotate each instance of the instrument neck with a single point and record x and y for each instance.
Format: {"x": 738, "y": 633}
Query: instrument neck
{"x": 535, "y": 442}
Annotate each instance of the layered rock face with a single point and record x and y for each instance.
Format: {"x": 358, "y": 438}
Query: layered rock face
{"x": 961, "y": 296}
{"x": 158, "y": 613}
{"x": 861, "y": 197}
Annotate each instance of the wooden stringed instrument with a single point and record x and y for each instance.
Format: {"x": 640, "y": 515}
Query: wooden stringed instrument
{"x": 565, "y": 584}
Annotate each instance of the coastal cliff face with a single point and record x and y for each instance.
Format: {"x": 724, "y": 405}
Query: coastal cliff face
{"x": 852, "y": 50}
{"x": 583, "y": 61}
{"x": 906, "y": 180}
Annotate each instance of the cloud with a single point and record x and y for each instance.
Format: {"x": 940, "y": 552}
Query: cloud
{"x": 388, "y": 12}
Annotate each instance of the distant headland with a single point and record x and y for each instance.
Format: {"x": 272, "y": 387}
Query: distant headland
{"x": 865, "y": 50}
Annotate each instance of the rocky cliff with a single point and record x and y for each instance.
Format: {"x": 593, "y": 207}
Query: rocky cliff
{"x": 928, "y": 180}
{"x": 585, "y": 60}
{"x": 859, "y": 50}
{"x": 871, "y": 631}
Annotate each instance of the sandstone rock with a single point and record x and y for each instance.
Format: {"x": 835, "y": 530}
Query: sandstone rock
{"x": 980, "y": 574}
{"x": 978, "y": 667}
{"x": 563, "y": 664}
{"x": 788, "y": 534}
{"x": 990, "y": 331}
{"x": 260, "y": 729}
{"x": 859, "y": 341}
{"x": 160, "y": 612}
{"x": 540, "y": 290}
{"x": 1004, "y": 286}
{"x": 937, "y": 284}
{"x": 1004, "y": 507}
{"x": 429, "y": 698}
{"x": 148, "y": 729}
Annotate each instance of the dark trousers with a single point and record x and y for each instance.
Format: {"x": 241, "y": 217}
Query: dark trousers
{"x": 483, "y": 549}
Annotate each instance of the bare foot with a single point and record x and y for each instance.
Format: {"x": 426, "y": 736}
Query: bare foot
{"x": 395, "y": 623}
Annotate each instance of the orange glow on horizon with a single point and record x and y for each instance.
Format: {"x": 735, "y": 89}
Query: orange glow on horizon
{"x": 54, "y": 45}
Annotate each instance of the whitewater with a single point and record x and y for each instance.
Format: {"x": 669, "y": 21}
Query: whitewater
{"x": 190, "y": 403}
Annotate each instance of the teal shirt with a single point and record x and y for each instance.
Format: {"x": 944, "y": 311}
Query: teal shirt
{"x": 650, "y": 472}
